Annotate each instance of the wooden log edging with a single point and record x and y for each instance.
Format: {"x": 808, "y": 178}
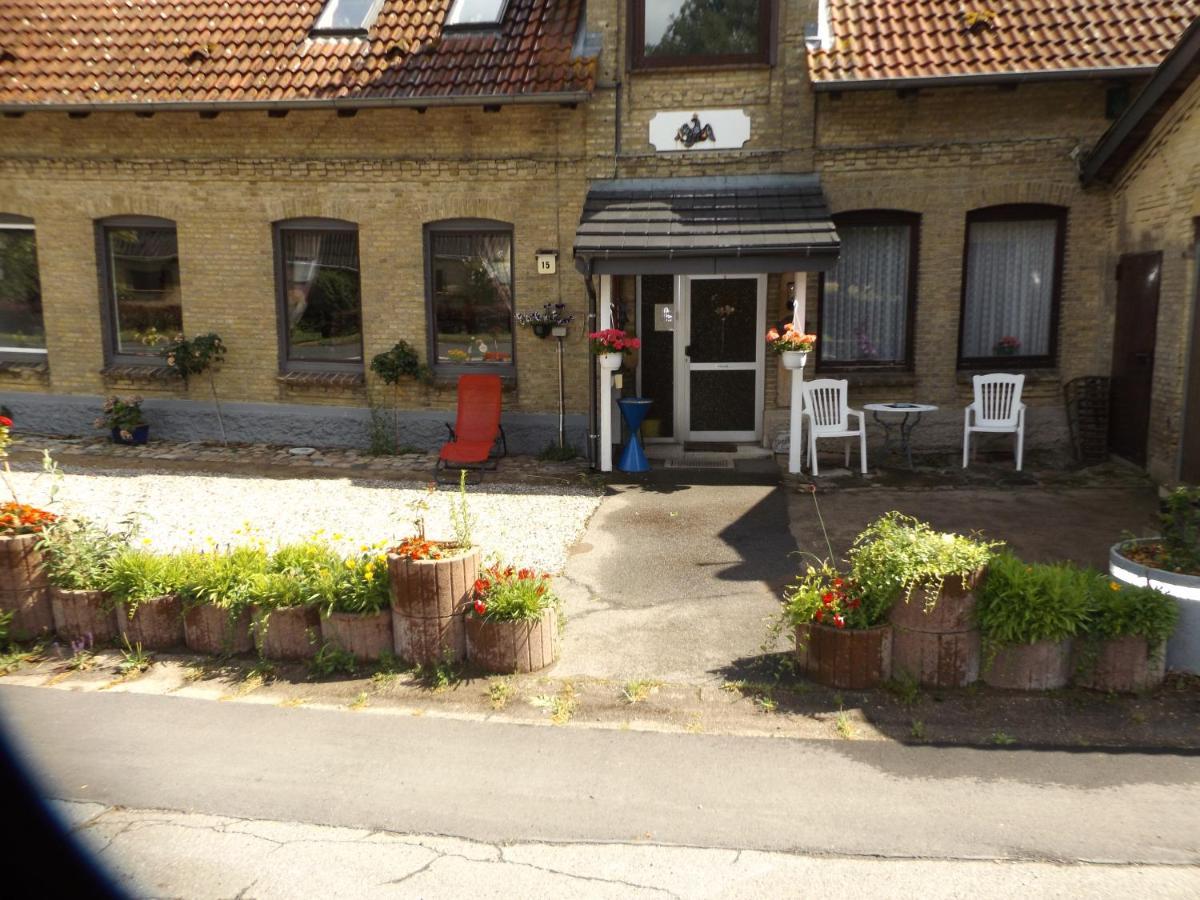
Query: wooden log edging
{"x": 156, "y": 623}
{"x": 78, "y": 614}
{"x": 519, "y": 647}
{"x": 24, "y": 588}
{"x": 287, "y": 632}
{"x": 366, "y": 635}
{"x": 846, "y": 658}
{"x": 217, "y": 630}
{"x": 1040, "y": 666}
{"x": 430, "y": 598}
{"x": 1123, "y": 664}
{"x": 935, "y": 638}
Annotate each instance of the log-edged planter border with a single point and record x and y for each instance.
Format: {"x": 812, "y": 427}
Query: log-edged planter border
{"x": 217, "y": 630}
{"x": 78, "y": 614}
{"x": 1183, "y": 647}
{"x": 24, "y": 589}
{"x": 1122, "y": 664}
{"x": 156, "y": 623}
{"x": 430, "y": 598}
{"x": 368, "y": 636}
{"x": 845, "y": 658}
{"x": 1040, "y": 666}
{"x": 287, "y": 632}
{"x": 935, "y": 638}
{"x": 522, "y": 646}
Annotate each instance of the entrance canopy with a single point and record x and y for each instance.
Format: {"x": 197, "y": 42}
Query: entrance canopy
{"x": 706, "y": 226}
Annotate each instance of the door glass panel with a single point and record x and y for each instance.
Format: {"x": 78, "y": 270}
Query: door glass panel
{"x": 658, "y": 354}
{"x": 723, "y": 400}
{"x": 724, "y": 320}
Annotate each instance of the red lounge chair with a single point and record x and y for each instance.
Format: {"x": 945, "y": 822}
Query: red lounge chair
{"x": 477, "y": 430}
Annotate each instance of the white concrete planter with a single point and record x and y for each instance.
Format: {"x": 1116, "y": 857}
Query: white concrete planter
{"x": 1183, "y": 649}
{"x": 794, "y": 359}
{"x": 610, "y": 362}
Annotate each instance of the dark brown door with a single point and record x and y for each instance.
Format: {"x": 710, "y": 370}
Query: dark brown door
{"x": 1189, "y": 464}
{"x": 1138, "y": 277}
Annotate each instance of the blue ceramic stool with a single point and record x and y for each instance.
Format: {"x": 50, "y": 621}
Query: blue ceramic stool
{"x": 633, "y": 410}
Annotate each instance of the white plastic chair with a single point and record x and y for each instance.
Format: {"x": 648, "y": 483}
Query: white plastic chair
{"x": 827, "y": 415}
{"x": 997, "y": 409}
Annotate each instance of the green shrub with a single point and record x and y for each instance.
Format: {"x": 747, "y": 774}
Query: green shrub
{"x": 897, "y": 553}
{"x": 137, "y": 575}
{"x": 79, "y": 553}
{"x": 222, "y": 579}
{"x": 1179, "y": 523}
{"x": 1122, "y": 610}
{"x": 512, "y": 595}
{"x": 359, "y": 585}
{"x": 1023, "y": 603}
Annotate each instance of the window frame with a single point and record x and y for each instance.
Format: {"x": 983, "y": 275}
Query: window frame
{"x": 283, "y": 331}
{"x": 108, "y": 298}
{"x": 331, "y": 32}
{"x": 639, "y": 61}
{"x": 878, "y": 217}
{"x": 506, "y": 370}
{"x": 475, "y": 26}
{"x": 1016, "y": 212}
{"x": 15, "y": 222}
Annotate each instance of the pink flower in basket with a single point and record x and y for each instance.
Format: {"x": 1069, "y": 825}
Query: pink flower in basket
{"x": 613, "y": 340}
{"x": 791, "y": 340}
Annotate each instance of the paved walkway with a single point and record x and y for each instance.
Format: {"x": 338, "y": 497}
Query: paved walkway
{"x": 675, "y": 582}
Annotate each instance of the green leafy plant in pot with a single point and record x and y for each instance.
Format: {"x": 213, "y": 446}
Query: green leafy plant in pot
{"x": 196, "y": 356}
{"x": 393, "y": 367}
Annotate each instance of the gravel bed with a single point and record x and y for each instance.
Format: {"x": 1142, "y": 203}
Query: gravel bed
{"x": 527, "y": 525}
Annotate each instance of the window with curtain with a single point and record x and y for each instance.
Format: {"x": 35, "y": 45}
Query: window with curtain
{"x": 1011, "y": 285}
{"x": 866, "y": 300}
{"x": 22, "y": 335}
{"x": 145, "y": 299}
{"x": 470, "y": 296}
{"x": 320, "y": 295}
{"x": 700, "y": 32}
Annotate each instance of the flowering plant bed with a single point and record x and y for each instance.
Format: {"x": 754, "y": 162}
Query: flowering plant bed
{"x": 513, "y": 622}
{"x": 790, "y": 340}
{"x": 21, "y": 518}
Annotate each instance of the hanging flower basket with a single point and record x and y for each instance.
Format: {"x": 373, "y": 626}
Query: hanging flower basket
{"x": 794, "y": 359}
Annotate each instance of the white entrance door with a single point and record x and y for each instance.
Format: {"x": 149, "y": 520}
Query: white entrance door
{"x": 720, "y": 354}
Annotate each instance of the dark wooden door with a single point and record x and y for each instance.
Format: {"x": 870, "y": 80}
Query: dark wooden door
{"x": 1189, "y": 463}
{"x": 1138, "y": 278}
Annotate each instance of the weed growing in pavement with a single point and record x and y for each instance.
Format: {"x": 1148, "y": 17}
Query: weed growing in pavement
{"x": 695, "y": 724}
{"x": 766, "y": 703}
{"x": 15, "y": 657}
{"x": 134, "y": 660}
{"x": 359, "y": 702}
{"x": 293, "y": 702}
{"x": 82, "y": 661}
{"x": 1001, "y": 739}
{"x": 638, "y": 690}
{"x": 439, "y": 676}
{"x": 845, "y": 728}
{"x": 500, "y": 691}
{"x": 905, "y": 688}
{"x": 561, "y": 706}
{"x": 330, "y": 660}
{"x": 917, "y": 730}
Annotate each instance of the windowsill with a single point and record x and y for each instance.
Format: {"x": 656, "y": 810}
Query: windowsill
{"x": 1033, "y": 374}
{"x": 31, "y": 369}
{"x": 340, "y": 380}
{"x": 141, "y": 372}
{"x": 691, "y": 67}
{"x": 443, "y": 381}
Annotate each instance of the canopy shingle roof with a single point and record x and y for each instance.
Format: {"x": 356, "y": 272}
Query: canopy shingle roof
{"x": 894, "y": 41}
{"x": 126, "y": 52}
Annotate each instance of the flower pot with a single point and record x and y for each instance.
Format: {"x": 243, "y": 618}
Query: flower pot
{"x": 513, "y": 647}
{"x": 610, "y": 362}
{"x": 287, "y": 633}
{"x": 1124, "y": 664}
{"x": 1040, "y": 666}
{"x": 541, "y": 329}
{"x": 24, "y": 590}
{"x": 794, "y": 359}
{"x": 217, "y": 630}
{"x": 1183, "y": 647}
{"x": 367, "y": 635}
{"x": 935, "y": 639}
{"x": 846, "y": 658}
{"x": 80, "y": 613}
{"x": 139, "y": 434}
{"x": 156, "y": 624}
{"x": 429, "y": 601}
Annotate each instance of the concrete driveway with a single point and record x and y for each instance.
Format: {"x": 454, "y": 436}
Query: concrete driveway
{"x": 677, "y": 583}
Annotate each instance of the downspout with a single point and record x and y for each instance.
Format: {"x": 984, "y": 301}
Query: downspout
{"x": 593, "y": 436}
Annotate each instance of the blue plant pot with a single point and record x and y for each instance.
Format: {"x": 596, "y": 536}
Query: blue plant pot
{"x": 141, "y": 434}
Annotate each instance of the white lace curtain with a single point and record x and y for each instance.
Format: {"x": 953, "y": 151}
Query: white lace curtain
{"x": 1010, "y": 287}
{"x": 865, "y": 312}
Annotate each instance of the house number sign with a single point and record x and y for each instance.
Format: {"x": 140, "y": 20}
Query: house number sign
{"x": 547, "y": 262}
{"x": 692, "y": 130}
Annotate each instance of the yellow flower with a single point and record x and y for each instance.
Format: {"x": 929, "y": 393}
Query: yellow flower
{"x": 146, "y": 542}
{"x": 1114, "y": 586}
{"x": 363, "y": 548}
{"x": 337, "y": 536}
{"x": 369, "y": 575}
{"x": 349, "y": 564}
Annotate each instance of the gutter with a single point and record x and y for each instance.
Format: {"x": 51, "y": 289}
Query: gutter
{"x": 593, "y": 434}
{"x": 556, "y": 97}
{"x": 884, "y": 84}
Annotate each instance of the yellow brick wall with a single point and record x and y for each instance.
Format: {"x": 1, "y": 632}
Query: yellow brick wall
{"x": 1156, "y": 207}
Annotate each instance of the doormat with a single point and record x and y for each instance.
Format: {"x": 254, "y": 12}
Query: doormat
{"x": 693, "y": 447}
{"x": 699, "y": 463}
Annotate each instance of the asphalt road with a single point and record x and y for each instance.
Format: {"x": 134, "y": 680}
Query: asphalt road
{"x": 496, "y": 782}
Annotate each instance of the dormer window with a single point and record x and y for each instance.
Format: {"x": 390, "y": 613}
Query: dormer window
{"x": 476, "y": 14}
{"x": 346, "y": 18}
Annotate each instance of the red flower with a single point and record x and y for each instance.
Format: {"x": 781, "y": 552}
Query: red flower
{"x": 827, "y": 599}
{"x": 839, "y": 621}
{"x": 481, "y": 586}
{"x": 837, "y": 582}
{"x": 5, "y": 422}
{"x": 820, "y": 615}
{"x": 480, "y": 608}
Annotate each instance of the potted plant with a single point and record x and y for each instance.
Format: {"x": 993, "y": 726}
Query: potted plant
{"x": 78, "y": 555}
{"x": 1123, "y": 647}
{"x": 610, "y": 346}
{"x": 122, "y": 417}
{"x": 431, "y": 586}
{"x": 195, "y": 356}
{"x": 1028, "y": 614}
{"x": 513, "y": 622}
{"x": 843, "y": 639}
{"x": 217, "y": 595}
{"x": 552, "y": 318}
{"x": 286, "y": 620}
{"x": 143, "y": 586}
{"x": 928, "y": 579}
{"x": 24, "y": 588}
{"x": 356, "y": 615}
{"x": 394, "y": 366}
{"x": 1009, "y": 345}
{"x": 791, "y": 345}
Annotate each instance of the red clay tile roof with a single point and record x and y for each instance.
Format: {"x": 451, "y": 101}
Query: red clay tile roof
{"x": 96, "y": 52}
{"x": 900, "y": 40}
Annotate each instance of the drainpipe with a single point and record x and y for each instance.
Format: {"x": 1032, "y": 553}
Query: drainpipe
{"x": 593, "y": 436}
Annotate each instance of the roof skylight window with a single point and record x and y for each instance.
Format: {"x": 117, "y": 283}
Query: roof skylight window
{"x": 476, "y": 13}
{"x": 346, "y": 18}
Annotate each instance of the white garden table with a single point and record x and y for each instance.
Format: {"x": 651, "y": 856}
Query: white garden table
{"x": 897, "y": 435}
